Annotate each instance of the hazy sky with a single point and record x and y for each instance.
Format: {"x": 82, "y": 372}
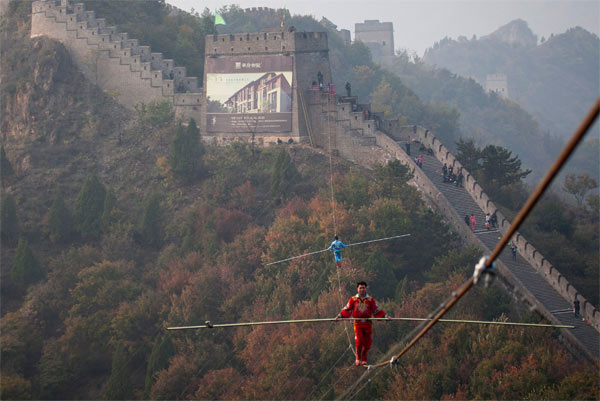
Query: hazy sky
{"x": 418, "y": 24}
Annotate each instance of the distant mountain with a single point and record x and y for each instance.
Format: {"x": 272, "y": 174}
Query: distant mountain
{"x": 516, "y": 32}
{"x": 556, "y": 80}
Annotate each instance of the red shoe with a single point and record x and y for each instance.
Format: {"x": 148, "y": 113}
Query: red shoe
{"x": 364, "y": 363}
{"x": 357, "y": 363}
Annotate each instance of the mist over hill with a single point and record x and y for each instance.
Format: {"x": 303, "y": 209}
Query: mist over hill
{"x": 555, "y": 79}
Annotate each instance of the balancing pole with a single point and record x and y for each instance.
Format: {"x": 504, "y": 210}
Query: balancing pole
{"x": 209, "y": 325}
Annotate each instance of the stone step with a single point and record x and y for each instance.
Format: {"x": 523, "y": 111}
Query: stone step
{"x": 537, "y": 285}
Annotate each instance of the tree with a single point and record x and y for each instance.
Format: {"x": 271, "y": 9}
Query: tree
{"x": 468, "y": 154}
{"x": 14, "y": 387}
{"x": 385, "y": 282}
{"x": 59, "y": 220}
{"x": 578, "y": 185}
{"x": 150, "y": 228}
{"x": 89, "y": 207}
{"x": 354, "y": 192}
{"x": 6, "y": 168}
{"x": 384, "y": 98}
{"x": 26, "y": 269}
{"x": 9, "y": 223}
{"x": 162, "y": 351}
{"x": 186, "y": 152}
{"x": 392, "y": 179}
{"x": 110, "y": 201}
{"x": 119, "y": 385}
{"x": 155, "y": 114}
{"x": 282, "y": 173}
{"x": 499, "y": 168}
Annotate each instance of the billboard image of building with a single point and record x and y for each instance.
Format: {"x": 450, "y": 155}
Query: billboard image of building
{"x": 249, "y": 94}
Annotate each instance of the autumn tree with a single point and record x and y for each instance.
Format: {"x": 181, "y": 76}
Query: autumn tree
{"x": 59, "y": 220}
{"x": 96, "y": 297}
{"x": 14, "y": 387}
{"x": 579, "y": 185}
{"x": 89, "y": 207}
{"x": 9, "y": 223}
{"x": 26, "y": 269}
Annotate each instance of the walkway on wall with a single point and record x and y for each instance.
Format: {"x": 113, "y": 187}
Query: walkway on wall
{"x": 531, "y": 280}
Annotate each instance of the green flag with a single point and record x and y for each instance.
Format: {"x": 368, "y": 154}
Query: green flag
{"x": 219, "y": 20}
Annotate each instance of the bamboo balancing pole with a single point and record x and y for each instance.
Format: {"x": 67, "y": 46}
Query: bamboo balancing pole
{"x": 208, "y": 325}
{"x": 349, "y": 245}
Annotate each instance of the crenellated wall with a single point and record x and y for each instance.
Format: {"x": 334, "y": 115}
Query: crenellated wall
{"x": 134, "y": 74}
{"x": 336, "y": 121}
{"x": 526, "y": 249}
{"x": 117, "y": 64}
{"x": 310, "y": 55}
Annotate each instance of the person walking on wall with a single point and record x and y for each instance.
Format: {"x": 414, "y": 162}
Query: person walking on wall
{"x": 514, "y": 250}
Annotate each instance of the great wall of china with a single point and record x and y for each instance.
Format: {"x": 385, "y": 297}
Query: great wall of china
{"x": 135, "y": 74}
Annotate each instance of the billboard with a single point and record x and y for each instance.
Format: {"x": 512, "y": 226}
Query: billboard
{"x": 249, "y": 94}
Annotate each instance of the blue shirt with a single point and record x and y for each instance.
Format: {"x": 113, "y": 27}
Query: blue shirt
{"x": 336, "y": 246}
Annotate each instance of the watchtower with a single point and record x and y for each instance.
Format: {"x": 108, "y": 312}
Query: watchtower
{"x": 253, "y": 84}
{"x": 379, "y": 38}
{"x": 497, "y": 83}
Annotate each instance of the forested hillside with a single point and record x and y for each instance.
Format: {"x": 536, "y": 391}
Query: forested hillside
{"x": 553, "y": 80}
{"x": 116, "y": 225}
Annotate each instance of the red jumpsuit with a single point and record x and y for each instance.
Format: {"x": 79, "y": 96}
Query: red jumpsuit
{"x": 363, "y": 330}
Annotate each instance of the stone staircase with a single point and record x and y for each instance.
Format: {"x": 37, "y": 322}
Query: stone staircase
{"x": 538, "y": 283}
{"x": 129, "y": 69}
{"x": 529, "y": 277}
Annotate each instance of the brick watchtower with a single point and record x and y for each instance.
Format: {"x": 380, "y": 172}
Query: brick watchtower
{"x": 253, "y": 84}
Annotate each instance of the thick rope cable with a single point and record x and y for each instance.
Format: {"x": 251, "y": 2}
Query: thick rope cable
{"x": 349, "y": 245}
{"x": 337, "y": 268}
{"x": 331, "y": 165}
{"x": 523, "y": 213}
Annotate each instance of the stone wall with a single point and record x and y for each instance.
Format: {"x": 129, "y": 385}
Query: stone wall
{"x": 311, "y": 55}
{"x": 355, "y": 138}
{"x": 526, "y": 249}
{"x": 113, "y": 61}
